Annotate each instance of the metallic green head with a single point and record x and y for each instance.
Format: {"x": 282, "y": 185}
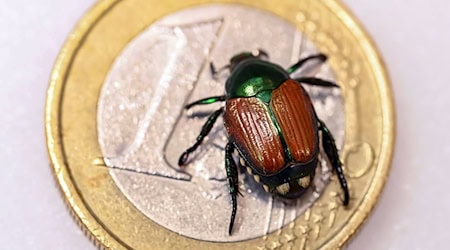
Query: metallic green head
{"x": 251, "y": 75}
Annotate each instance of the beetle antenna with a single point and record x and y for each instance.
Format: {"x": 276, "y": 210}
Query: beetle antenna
{"x": 260, "y": 53}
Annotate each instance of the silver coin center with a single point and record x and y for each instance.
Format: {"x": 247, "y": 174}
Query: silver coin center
{"x": 143, "y": 128}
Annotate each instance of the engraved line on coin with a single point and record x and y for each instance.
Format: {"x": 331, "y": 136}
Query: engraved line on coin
{"x": 352, "y": 115}
{"x": 283, "y": 214}
{"x": 269, "y": 215}
{"x": 102, "y": 162}
{"x": 297, "y": 47}
{"x": 332, "y": 206}
{"x": 168, "y": 33}
{"x": 166, "y": 78}
{"x": 188, "y": 96}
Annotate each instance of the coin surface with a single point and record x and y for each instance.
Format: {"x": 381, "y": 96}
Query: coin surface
{"x": 116, "y": 125}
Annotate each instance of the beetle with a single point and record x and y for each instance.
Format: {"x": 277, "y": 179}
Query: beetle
{"x": 269, "y": 118}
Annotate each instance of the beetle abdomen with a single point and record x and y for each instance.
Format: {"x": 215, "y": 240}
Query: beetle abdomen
{"x": 248, "y": 123}
{"x": 293, "y": 110}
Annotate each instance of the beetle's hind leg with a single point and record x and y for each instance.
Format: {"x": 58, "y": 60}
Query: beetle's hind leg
{"x": 203, "y": 133}
{"x": 330, "y": 149}
{"x": 316, "y": 82}
{"x": 311, "y": 80}
{"x": 301, "y": 62}
{"x": 233, "y": 181}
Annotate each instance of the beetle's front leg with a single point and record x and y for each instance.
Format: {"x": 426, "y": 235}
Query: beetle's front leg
{"x": 233, "y": 181}
{"x": 205, "y": 101}
{"x": 330, "y": 149}
{"x": 205, "y": 131}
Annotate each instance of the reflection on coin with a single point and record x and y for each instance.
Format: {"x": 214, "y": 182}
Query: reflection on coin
{"x": 116, "y": 125}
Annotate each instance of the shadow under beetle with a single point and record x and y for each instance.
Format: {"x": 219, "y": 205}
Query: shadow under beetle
{"x": 270, "y": 120}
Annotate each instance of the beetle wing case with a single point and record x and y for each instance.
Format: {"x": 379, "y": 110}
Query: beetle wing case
{"x": 295, "y": 116}
{"x": 250, "y": 127}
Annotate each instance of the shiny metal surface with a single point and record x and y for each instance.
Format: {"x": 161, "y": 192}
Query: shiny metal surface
{"x": 143, "y": 128}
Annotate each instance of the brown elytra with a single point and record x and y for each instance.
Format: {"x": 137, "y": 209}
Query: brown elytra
{"x": 294, "y": 112}
{"x": 250, "y": 123}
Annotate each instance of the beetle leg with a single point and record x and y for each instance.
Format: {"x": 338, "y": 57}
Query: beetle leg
{"x": 233, "y": 182}
{"x": 203, "y": 133}
{"x": 208, "y": 100}
{"x": 214, "y": 71}
{"x": 330, "y": 149}
{"x": 259, "y": 53}
{"x": 316, "y": 82}
{"x": 300, "y": 63}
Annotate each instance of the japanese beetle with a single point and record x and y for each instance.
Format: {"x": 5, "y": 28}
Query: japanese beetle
{"x": 270, "y": 120}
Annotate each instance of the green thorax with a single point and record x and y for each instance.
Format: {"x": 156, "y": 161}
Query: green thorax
{"x": 254, "y": 77}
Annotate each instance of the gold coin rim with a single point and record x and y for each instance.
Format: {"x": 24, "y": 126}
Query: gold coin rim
{"x": 95, "y": 230}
